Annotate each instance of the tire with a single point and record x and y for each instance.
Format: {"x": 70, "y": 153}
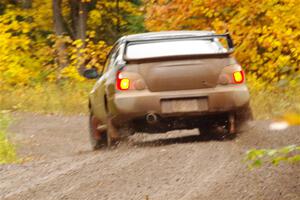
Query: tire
{"x": 213, "y": 132}
{"x": 219, "y": 129}
{"x": 222, "y": 130}
{"x": 205, "y": 133}
{"x": 98, "y": 139}
{"x": 113, "y": 134}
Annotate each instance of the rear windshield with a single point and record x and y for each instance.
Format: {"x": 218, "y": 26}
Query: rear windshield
{"x": 173, "y": 48}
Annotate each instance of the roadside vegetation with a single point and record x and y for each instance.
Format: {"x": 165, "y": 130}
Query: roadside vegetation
{"x": 258, "y": 157}
{"x": 67, "y": 98}
{"x": 274, "y": 102}
{"x": 7, "y": 149}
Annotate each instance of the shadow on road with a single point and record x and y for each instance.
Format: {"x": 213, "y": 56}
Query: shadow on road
{"x": 178, "y": 140}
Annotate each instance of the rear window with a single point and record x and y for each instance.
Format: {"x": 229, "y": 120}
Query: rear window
{"x": 173, "y": 48}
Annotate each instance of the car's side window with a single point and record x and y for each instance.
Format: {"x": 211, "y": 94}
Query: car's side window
{"x": 111, "y": 58}
{"x": 119, "y": 56}
{"x": 107, "y": 62}
{"x": 115, "y": 56}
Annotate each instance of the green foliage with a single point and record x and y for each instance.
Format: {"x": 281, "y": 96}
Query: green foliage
{"x": 7, "y": 150}
{"x": 256, "y": 157}
{"x": 109, "y": 24}
{"x": 136, "y": 24}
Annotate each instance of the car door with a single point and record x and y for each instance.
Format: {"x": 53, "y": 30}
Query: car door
{"x": 110, "y": 84}
{"x": 98, "y": 96}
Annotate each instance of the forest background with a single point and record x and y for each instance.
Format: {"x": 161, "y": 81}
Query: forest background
{"x": 46, "y": 44}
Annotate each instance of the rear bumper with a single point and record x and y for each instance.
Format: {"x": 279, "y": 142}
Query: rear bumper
{"x": 131, "y": 104}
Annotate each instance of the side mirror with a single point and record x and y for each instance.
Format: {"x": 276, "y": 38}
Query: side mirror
{"x": 91, "y": 73}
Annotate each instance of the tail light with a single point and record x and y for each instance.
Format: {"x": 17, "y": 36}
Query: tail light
{"x": 232, "y": 74}
{"x": 129, "y": 80}
{"x": 238, "y": 77}
{"x": 123, "y": 83}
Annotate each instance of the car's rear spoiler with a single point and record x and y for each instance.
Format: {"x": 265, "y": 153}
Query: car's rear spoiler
{"x": 227, "y": 36}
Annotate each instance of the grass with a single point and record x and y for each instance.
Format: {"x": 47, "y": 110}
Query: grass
{"x": 71, "y": 98}
{"x": 7, "y": 149}
{"x": 48, "y": 98}
{"x": 268, "y": 103}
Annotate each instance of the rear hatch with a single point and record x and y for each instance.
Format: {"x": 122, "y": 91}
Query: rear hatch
{"x": 181, "y": 62}
{"x": 169, "y": 75}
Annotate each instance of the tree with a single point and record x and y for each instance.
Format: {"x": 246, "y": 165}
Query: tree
{"x": 265, "y": 32}
{"x": 52, "y": 40}
{"x": 79, "y": 14}
{"x": 60, "y": 31}
{"x": 77, "y": 29}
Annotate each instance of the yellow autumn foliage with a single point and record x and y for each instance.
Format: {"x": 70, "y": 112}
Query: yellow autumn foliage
{"x": 28, "y": 44}
{"x": 266, "y": 32}
{"x": 19, "y": 61}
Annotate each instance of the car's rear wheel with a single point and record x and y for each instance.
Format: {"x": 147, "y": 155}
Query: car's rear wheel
{"x": 215, "y": 131}
{"x": 235, "y": 123}
{"x": 221, "y": 127}
{"x": 97, "y": 133}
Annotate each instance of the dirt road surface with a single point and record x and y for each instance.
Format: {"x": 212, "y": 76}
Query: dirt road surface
{"x": 173, "y": 166}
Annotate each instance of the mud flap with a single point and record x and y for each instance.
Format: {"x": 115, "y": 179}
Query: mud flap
{"x": 113, "y": 135}
{"x": 231, "y": 123}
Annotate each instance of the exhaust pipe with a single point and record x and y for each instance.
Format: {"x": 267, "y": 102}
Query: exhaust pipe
{"x": 151, "y": 118}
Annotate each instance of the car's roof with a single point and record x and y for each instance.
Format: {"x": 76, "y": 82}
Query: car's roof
{"x": 165, "y": 34}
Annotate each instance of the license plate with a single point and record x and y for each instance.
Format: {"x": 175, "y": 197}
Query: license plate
{"x": 184, "y": 105}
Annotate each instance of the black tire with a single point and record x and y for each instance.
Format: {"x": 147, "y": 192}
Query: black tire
{"x": 213, "y": 132}
{"x": 218, "y": 130}
{"x": 97, "y": 141}
{"x": 205, "y": 133}
{"x": 221, "y": 130}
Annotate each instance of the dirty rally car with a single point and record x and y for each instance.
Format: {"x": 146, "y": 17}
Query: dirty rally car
{"x": 161, "y": 81}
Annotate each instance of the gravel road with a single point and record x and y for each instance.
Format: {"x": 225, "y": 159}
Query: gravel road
{"x": 173, "y": 166}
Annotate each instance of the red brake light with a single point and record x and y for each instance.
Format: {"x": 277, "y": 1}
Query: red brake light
{"x": 122, "y": 83}
{"x": 238, "y": 77}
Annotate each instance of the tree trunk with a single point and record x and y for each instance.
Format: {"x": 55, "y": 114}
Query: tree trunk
{"x": 79, "y": 15}
{"x": 81, "y": 34}
{"x": 74, "y": 10}
{"x": 26, "y": 4}
{"x": 82, "y": 20}
{"x": 60, "y": 31}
